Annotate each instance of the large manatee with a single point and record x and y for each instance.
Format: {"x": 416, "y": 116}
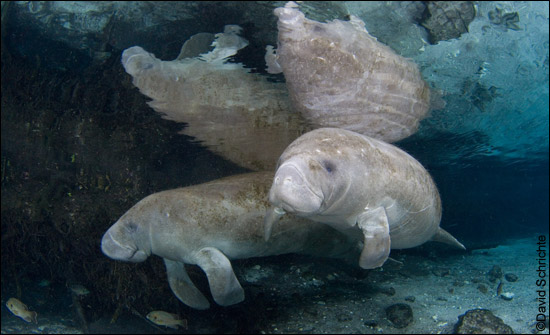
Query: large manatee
{"x": 239, "y": 115}
{"x": 339, "y": 76}
{"x": 209, "y": 225}
{"x": 360, "y": 186}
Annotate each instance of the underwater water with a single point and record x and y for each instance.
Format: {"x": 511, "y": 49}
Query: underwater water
{"x": 85, "y": 138}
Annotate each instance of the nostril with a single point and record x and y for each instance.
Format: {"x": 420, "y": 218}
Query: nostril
{"x": 294, "y": 178}
{"x": 288, "y": 175}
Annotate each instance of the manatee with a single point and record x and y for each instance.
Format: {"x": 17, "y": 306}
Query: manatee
{"x": 338, "y": 75}
{"x": 360, "y": 186}
{"x": 236, "y": 114}
{"x": 209, "y": 225}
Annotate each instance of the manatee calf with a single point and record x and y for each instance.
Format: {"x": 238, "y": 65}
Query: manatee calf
{"x": 210, "y": 224}
{"x": 360, "y": 186}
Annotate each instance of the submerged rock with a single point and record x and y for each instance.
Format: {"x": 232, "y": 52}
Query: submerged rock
{"x": 482, "y": 288}
{"x": 400, "y": 315}
{"x": 511, "y": 277}
{"x": 507, "y": 296}
{"x": 495, "y": 273}
{"x": 481, "y": 321}
{"x": 410, "y": 298}
{"x": 446, "y": 20}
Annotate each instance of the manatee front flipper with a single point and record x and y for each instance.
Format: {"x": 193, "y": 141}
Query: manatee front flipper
{"x": 198, "y": 44}
{"x": 272, "y": 215}
{"x": 376, "y": 230}
{"x": 224, "y": 286}
{"x": 183, "y": 287}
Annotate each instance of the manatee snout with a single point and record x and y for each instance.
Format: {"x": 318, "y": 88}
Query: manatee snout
{"x": 292, "y": 192}
{"x": 136, "y": 59}
{"x": 119, "y": 248}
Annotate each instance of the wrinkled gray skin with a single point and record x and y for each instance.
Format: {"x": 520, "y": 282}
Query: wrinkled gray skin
{"x": 360, "y": 186}
{"x": 340, "y": 76}
{"x": 210, "y": 224}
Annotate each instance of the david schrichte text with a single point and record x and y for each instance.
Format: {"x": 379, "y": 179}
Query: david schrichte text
{"x": 541, "y": 282}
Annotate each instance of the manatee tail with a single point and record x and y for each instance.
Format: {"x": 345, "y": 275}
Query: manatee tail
{"x": 444, "y": 237}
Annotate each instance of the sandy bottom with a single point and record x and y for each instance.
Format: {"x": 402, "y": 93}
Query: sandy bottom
{"x": 300, "y": 294}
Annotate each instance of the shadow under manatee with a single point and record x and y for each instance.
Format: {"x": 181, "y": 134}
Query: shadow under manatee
{"x": 290, "y": 289}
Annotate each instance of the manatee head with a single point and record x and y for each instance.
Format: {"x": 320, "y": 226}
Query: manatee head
{"x": 313, "y": 175}
{"x": 126, "y": 240}
{"x": 136, "y": 60}
{"x": 289, "y": 16}
{"x": 301, "y": 184}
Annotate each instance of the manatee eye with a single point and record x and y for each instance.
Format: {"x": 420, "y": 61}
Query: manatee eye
{"x": 131, "y": 227}
{"x": 329, "y": 166}
{"x": 318, "y": 29}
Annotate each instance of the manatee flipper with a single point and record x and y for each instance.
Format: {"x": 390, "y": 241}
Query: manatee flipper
{"x": 377, "y": 243}
{"x": 444, "y": 237}
{"x": 183, "y": 287}
{"x": 225, "y": 287}
{"x": 273, "y": 215}
{"x": 197, "y": 44}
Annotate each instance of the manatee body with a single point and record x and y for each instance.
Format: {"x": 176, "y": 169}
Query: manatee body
{"x": 210, "y": 224}
{"x": 339, "y": 76}
{"x": 360, "y": 186}
{"x": 202, "y": 89}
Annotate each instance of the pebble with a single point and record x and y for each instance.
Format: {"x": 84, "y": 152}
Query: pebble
{"x": 410, "y": 298}
{"x": 495, "y": 273}
{"x": 482, "y": 288}
{"x": 442, "y": 272}
{"x": 388, "y": 291}
{"x": 507, "y": 296}
{"x": 371, "y": 323}
{"x": 511, "y": 277}
{"x": 343, "y": 317}
{"x": 458, "y": 283}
